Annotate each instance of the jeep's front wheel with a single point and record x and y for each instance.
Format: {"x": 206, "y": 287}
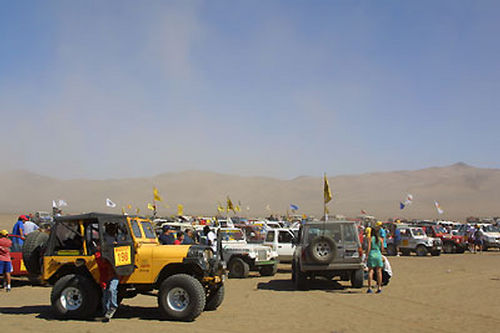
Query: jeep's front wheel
{"x": 268, "y": 270}
{"x": 181, "y": 297}
{"x": 357, "y": 278}
{"x": 215, "y": 298}
{"x": 238, "y": 268}
{"x": 421, "y": 251}
{"x": 74, "y": 296}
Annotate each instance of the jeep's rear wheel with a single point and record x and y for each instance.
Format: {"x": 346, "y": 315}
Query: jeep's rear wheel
{"x": 268, "y": 270}
{"x": 74, "y": 296}
{"x": 238, "y": 268}
{"x": 33, "y": 245}
{"x": 357, "y": 278}
{"x": 421, "y": 251}
{"x": 181, "y": 297}
{"x": 299, "y": 278}
{"x": 215, "y": 298}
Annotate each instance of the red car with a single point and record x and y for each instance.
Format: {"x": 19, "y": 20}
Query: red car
{"x": 18, "y": 268}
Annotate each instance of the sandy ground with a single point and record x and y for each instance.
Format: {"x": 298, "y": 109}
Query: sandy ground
{"x": 449, "y": 293}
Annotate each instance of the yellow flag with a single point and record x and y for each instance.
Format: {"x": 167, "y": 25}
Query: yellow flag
{"x": 327, "y": 192}
{"x": 156, "y": 195}
{"x": 150, "y": 206}
{"x": 220, "y": 209}
{"x": 180, "y": 209}
{"x": 129, "y": 206}
{"x": 304, "y": 216}
{"x": 237, "y": 208}
{"x": 229, "y": 204}
{"x": 137, "y": 211}
{"x": 123, "y": 210}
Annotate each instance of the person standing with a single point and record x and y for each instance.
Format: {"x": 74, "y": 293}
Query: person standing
{"x": 188, "y": 237}
{"x": 29, "y": 226}
{"x": 5, "y": 261}
{"x": 166, "y": 238}
{"x": 18, "y": 230}
{"x": 211, "y": 238}
{"x": 180, "y": 238}
{"x": 374, "y": 260}
{"x": 397, "y": 239}
{"x": 383, "y": 235}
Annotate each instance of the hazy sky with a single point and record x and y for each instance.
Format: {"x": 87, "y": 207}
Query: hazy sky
{"x": 279, "y": 88}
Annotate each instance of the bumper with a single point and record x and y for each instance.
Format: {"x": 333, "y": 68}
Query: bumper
{"x": 495, "y": 243}
{"x": 332, "y": 267}
{"x": 265, "y": 263}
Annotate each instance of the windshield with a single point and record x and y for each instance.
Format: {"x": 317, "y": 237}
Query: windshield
{"x": 491, "y": 228}
{"x": 418, "y": 232}
{"x": 441, "y": 230}
{"x": 148, "y": 230}
{"x": 232, "y": 235}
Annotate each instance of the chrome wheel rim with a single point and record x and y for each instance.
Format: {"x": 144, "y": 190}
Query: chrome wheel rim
{"x": 71, "y": 298}
{"x": 323, "y": 249}
{"x": 178, "y": 299}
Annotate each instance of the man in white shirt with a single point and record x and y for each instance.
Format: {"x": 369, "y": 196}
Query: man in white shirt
{"x": 29, "y": 226}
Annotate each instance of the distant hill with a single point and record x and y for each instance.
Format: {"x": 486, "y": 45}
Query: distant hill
{"x": 461, "y": 190}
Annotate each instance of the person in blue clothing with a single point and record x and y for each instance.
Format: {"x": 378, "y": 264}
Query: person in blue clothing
{"x": 397, "y": 240}
{"x": 374, "y": 260}
{"x": 166, "y": 238}
{"x": 17, "y": 243}
{"x": 382, "y": 234}
{"x": 188, "y": 237}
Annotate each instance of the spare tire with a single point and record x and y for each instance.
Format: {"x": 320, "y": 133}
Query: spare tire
{"x": 322, "y": 250}
{"x": 33, "y": 246}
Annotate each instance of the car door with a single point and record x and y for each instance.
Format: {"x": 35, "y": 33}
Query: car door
{"x": 285, "y": 246}
{"x": 117, "y": 247}
{"x": 270, "y": 239}
{"x": 405, "y": 237}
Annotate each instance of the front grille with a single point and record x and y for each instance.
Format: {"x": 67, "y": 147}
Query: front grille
{"x": 261, "y": 255}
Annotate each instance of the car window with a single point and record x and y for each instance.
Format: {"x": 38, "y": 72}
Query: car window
{"x": 270, "y": 236}
{"x": 232, "y": 235}
{"x": 69, "y": 241}
{"x": 148, "y": 230}
{"x": 418, "y": 232}
{"x": 136, "y": 229}
{"x": 350, "y": 234}
{"x": 284, "y": 237}
{"x": 329, "y": 230}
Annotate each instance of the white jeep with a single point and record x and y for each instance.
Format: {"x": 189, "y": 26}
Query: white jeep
{"x": 241, "y": 257}
{"x": 281, "y": 240}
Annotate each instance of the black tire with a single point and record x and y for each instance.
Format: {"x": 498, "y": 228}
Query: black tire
{"x": 436, "y": 253}
{"x": 238, "y": 268}
{"x": 215, "y": 298}
{"x": 33, "y": 246}
{"x": 299, "y": 278}
{"x": 449, "y": 247}
{"x": 421, "y": 251}
{"x": 391, "y": 250}
{"x": 485, "y": 248}
{"x": 74, "y": 296}
{"x": 357, "y": 278}
{"x": 268, "y": 270}
{"x": 181, "y": 297}
{"x": 460, "y": 249}
{"x": 322, "y": 250}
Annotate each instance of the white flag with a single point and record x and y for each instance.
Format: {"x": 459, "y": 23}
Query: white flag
{"x": 409, "y": 200}
{"x": 62, "y": 203}
{"x": 54, "y": 204}
{"x": 440, "y": 211}
{"x": 110, "y": 203}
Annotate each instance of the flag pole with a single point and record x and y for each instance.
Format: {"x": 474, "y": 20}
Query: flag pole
{"x": 325, "y": 214}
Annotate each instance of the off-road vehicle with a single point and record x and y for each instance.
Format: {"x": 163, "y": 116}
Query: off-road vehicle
{"x": 242, "y": 257}
{"x": 186, "y": 279}
{"x": 414, "y": 239}
{"x": 327, "y": 249}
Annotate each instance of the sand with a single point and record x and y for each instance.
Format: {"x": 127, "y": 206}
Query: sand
{"x": 450, "y": 293}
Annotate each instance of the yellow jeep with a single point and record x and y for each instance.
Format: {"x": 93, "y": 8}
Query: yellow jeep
{"x": 187, "y": 279}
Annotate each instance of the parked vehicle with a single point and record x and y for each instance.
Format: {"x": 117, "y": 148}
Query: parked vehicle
{"x": 414, "y": 239}
{"x": 491, "y": 237}
{"x": 451, "y": 243}
{"x": 186, "y": 279}
{"x": 327, "y": 249}
{"x": 281, "y": 240}
{"x": 242, "y": 257}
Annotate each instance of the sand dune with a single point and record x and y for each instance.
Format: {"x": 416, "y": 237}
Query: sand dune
{"x": 461, "y": 190}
